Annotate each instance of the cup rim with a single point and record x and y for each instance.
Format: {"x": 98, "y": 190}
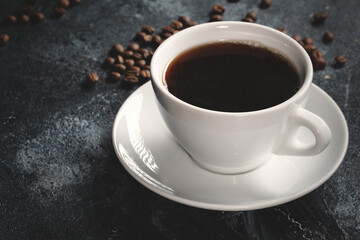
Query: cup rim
{"x": 158, "y": 83}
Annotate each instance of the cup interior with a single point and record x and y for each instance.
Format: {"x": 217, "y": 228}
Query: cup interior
{"x": 248, "y": 33}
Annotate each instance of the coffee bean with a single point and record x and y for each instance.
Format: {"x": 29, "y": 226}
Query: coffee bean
{"x": 140, "y": 36}
{"x": 144, "y": 52}
{"x": 247, "y": 19}
{"x": 10, "y": 19}
{"x": 177, "y": 25}
{"x": 128, "y": 53}
{"x": 156, "y": 40}
{"x": 117, "y": 49}
{"x": 265, "y": 3}
{"x": 308, "y": 41}
{"x": 340, "y": 60}
{"x": 114, "y": 76}
{"x": 137, "y": 56}
{"x": 38, "y": 17}
{"x": 297, "y": 38}
{"x": 132, "y": 72}
{"x": 166, "y": 35}
{"x": 134, "y": 68}
{"x": 119, "y": 59}
{"x": 140, "y": 63}
{"x": 24, "y": 19}
{"x": 26, "y": 9}
{"x": 189, "y": 24}
{"x": 147, "y": 38}
{"x": 216, "y": 17}
{"x": 129, "y": 62}
{"x": 75, "y": 2}
{"x": 168, "y": 29}
{"x": 64, "y": 3}
{"x": 320, "y": 17}
{"x": 316, "y": 54}
{"x": 133, "y": 47}
{"x": 59, "y": 12}
{"x": 184, "y": 19}
{"x": 328, "y": 37}
{"x": 252, "y": 15}
{"x": 309, "y": 48}
{"x": 218, "y": 9}
{"x": 145, "y": 74}
{"x": 120, "y": 68}
{"x": 281, "y": 29}
{"x": 146, "y": 67}
{"x": 109, "y": 61}
{"x": 148, "y": 29}
{"x": 319, "y": 63}
{"x": 131, "y": 79}
{"x": 4, "y": 39}
{"x": 92, "y": 77}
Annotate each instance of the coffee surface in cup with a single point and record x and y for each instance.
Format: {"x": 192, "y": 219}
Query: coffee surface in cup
{"x": 232, "y": 77}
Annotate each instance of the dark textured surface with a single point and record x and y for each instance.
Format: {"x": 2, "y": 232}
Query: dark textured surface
{"x": 59, "y": 176}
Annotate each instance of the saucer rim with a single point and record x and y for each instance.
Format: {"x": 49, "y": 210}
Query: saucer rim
{"x": 237, "y": 207}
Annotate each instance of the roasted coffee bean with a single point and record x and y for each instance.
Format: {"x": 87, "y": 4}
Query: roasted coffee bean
{"x": 109, "y": 61}
{"x": 309, "y": 48}
{"x": 26, "y": 9}
{"x": 114, "y": 76}
{"x": 320, "y": 17}
{"x": 4, "y": 39}
{"x": 129, "y": 62}
{"x": 281, "y": 29}
{"x": 218, "y": 9}
{"x": 147, "y": 38}
{"x": 137, "y": 56}
{"x": 148, "y": 29}
{"x": 24, "y": 19}
{"x": 316, "y": 54}
{"x": 166, "y": 35}
{"x": 184, "y": 19}
{"x": 92, "y": 77}
{"x": 328, "y": 37}
{"x": 216, "y": 17}
{"x": 145, "y": 74}
{"x": 140, "y": 63}
{"x": 131, "y": 79}
{"x": 252, "y": 15}
{"x": 132, "y": 72}
{"x": 117, "y": 49}
{"x": 168, "y": 29}
{"x": 319, "y": 63}
{"x": 119, "y": 59}
{"x": 144, "y": 52}
{"x": 75, "y": 2}
{"x": 59, "y": 12}
{"x": 156, "y": 40}
{"x": 340, "y": 60}
{"x": 265, "y": 3}
{"x": 10, "y": 19}
{"x": 133, "y": 47}
{"x": 120, "y": 68}
{"x": 37, "y": 17}
{"x": 128, "y": 53}
{"x": 146, "y": 67}
{"x": 247, "y": 19}
{"x": 189, "y": 24}
{"x": 308, "y": 41}
{"x": 140, "y": 36}
{"x": 134, "y": 68}
{"x": 64, "y": 3}
{"x": 297, "y": 38}
{"x": 177, "y": 25}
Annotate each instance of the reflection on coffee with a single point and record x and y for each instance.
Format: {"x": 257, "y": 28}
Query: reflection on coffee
{"x": 232, "y": 77}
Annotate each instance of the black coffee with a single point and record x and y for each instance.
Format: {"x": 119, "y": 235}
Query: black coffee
{"x": 232, "y": 77}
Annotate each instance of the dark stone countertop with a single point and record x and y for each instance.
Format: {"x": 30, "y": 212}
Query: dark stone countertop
{"x": 59, "y": 175}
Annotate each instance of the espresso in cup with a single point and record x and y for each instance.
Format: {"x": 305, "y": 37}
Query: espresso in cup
{"x": 232, "y": 77}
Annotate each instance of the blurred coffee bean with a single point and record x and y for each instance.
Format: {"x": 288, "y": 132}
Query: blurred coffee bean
{"x": 177, "y": 25}
{"x": 4, "y": 39}
{"x": 265, "y": 3}
{"x": 114, "y": 76}
{"x": 218, "y": 9}
{"x": 92, "y": 77}
{"x": 328, "y": 37}
{"x": 216, "y": 17}
{"x": 308, "y": 41}
{"x": 252, "y": 15}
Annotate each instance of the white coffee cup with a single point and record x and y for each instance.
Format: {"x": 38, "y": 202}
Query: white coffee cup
{"x": 228, "y": 142}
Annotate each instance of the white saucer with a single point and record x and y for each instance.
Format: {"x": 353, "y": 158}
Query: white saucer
{"x": 150, "y": 154}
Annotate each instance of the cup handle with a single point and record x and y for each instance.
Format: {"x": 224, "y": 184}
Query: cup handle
{"x": 289, "y": 145}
